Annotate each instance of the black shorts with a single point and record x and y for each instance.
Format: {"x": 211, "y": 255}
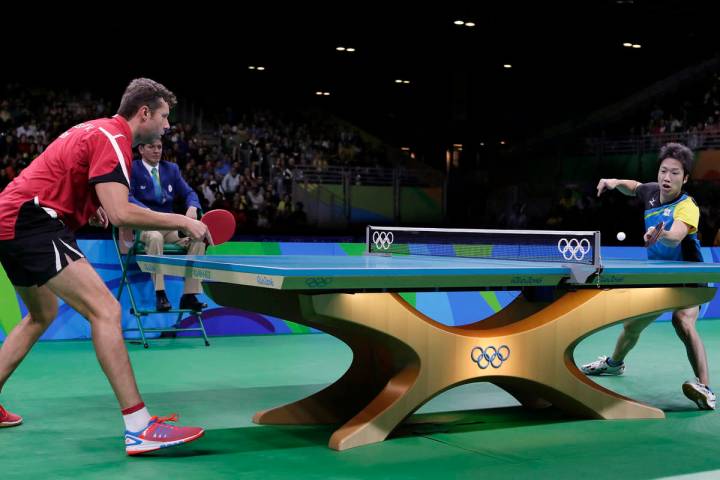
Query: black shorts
{"x": 40, "y": 249}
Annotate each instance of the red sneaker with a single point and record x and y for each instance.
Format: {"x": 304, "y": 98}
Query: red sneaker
{"x": 8, "y": 419}
{"x": 158, "y": 434}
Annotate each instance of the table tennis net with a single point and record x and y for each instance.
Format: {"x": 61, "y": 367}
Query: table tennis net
{"x": 523, "y": 245}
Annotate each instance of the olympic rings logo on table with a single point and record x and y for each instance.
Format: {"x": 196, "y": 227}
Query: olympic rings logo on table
{"x": 490, "y": 356}
{"x": 383, "y": 240}
{"x": 573, "y": 248}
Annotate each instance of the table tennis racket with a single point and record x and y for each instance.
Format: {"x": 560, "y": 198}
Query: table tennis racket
{"x": 221, "y": 225}
{"x": 656, "y": 234}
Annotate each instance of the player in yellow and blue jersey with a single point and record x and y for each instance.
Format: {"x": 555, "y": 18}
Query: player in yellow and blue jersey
{"x": 672, "y": 219}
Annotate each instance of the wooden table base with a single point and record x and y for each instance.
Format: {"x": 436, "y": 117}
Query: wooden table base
{"x": 402, "y": 358}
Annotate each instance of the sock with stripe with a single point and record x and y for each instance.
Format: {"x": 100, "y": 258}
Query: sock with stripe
{"x": 136, "y": 418}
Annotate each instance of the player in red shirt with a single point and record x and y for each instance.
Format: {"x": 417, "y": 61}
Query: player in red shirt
{"x": 82, "y": 177}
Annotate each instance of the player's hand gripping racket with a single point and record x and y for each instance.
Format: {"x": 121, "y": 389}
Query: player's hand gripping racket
{"x": 655, "y": 235}
{"x": 220, "y": 224}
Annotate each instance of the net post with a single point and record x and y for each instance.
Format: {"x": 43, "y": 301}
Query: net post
{"x": 367, "y": 239}
{"x": 579, "y": 273}
{"x": 597, "y": 259}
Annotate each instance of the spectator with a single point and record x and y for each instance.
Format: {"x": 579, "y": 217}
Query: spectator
{"x": 231, "y": 181}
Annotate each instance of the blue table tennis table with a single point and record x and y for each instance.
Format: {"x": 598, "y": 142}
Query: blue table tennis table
{"x": 402, "y": 358}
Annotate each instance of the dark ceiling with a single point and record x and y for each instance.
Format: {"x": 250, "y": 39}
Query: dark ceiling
{"x": 567, "y": 57}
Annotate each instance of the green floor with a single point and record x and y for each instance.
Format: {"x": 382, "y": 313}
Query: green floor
{"x": 73, "y": 429}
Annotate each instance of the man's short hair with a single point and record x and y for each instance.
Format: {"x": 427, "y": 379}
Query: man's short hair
{"x": 679, "y": 152}
{"x": 141, "y": 92}
{"x": 146, "y": 144}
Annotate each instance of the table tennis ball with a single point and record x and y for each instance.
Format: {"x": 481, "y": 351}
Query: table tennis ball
{"x": 621, "y": 236}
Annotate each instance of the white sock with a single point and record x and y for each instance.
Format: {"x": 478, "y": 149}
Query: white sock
{"x": 137, "y": 421}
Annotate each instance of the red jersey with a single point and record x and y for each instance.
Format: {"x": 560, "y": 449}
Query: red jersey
{"x": 61, "y": 179}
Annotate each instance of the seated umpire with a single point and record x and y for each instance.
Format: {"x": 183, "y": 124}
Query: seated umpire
{"x": 157, "y": 184}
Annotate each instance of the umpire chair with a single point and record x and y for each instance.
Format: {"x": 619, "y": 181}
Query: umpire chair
{"x": 128, "y": 245}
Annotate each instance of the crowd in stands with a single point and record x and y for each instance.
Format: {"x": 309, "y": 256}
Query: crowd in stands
{"x": 690, "y": 116}
{"x": 247, "y": 165}
{"x": 250, "y": 162}
{"x": 29, "y": 120}
{"x": 695, "y": 114}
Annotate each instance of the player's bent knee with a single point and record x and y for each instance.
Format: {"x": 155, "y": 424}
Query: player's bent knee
{"x": 684, "y": 324}
{"x": 685, "y": 316}
{"x": 689, "y": 314}
{"x": 109, "y": 313}
{"x": 114, "y": 311}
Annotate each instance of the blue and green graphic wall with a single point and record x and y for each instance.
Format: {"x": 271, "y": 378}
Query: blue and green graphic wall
{"x": 451, "y": 308}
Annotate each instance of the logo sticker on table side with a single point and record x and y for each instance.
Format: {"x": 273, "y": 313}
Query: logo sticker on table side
{"x": 490, "y": 356}
{"x": 612, "y": 279}
{"x": 526, "y": 280}
{"x": 201, "y": 273}
{"x": 573, "y": 248}
{"x": 265, "y": 281}
{"x": 318, "y": 282}
{"x": 150, "y": 267}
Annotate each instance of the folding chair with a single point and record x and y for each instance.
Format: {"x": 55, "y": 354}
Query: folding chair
{"x": 128, "y": 244}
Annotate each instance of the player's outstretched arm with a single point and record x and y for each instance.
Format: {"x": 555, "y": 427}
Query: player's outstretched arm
{"x": 676, "y": 234}
{"x": 626, "y": 187}
{"x": 121, "y": 213}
